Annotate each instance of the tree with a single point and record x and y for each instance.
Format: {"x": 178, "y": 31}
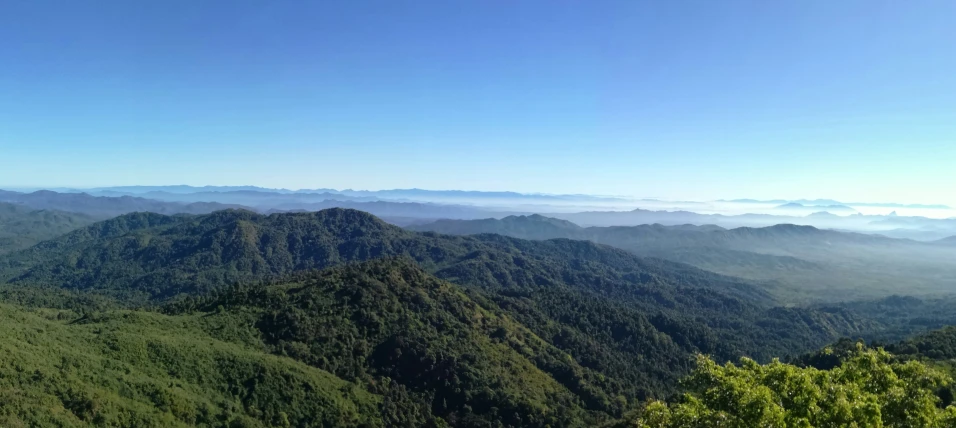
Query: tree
{"x": 870, "y": 389}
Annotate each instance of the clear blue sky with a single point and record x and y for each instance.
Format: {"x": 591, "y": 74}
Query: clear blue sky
{"x": 848, "y": 99}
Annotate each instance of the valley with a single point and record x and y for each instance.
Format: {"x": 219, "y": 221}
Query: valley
{"x": 526, "y": 320}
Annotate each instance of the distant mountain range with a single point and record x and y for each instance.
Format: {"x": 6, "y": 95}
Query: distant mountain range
{"x": 309, "y": 314}
{"x": 478, "y": 330}
{"x": 800, "y": 262}
{"x": 258, "y": 199}
{"x": 921, "y": 228}
{"x": 816, "y": 209}
{"x": 179, "y": 192}
{"x": 102, "y": 207}
{"x": 196, "y": 203}
{"x": 386, "y": 209}
{"x": 827, "y": 202}
{"x": 392, "y": 194}
{"x": 110, "y": 202}
{"x": 947, "y": 241}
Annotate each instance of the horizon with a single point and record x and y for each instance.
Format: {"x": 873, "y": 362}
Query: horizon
{"x": 24, "y": 189}
{"x": 717, "y": 206}
{"x": 633, "y": 198}
{"x": 844, "y": 101}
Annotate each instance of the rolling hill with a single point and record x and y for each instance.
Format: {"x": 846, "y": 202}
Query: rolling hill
{"x": 22, "y": 227}
{"x": 136, "y": 368}
{"x": 166, "y": 255}
{"x": 389, "y": 320}
{"x": 798, "y": 263}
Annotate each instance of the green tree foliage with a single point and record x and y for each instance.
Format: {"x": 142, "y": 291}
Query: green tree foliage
{"x": 389, "y": 321}
{"x": 162, "y": 256}
{"x": 141, "y": 369}
{"x": 596, "y": 354}
{"x": 629, "y": 326}
{"x": 869, "y": 389}
{"x": 935, "y": 345}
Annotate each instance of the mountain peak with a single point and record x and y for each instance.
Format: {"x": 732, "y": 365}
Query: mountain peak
{"x": 778, "y": 229}
{"x": 791, "y": 205}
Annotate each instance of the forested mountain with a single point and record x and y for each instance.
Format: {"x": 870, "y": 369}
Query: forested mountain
{"x": 143, "y": 369}
{"x": 164, "y": 255}
{"x": 602, "y": 327}
{"x": 533, "y": 226}
{"x": 102, "y": 206}
{"x": 459, "y": 356}
{"x": 400, "y": 343}
{"x": 22, "y": 227}
{"x": 939, "y": 345}
{"x": 798, "y": 263}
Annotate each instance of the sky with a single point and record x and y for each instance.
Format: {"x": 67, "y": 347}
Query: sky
{"x": 850, "y": 100}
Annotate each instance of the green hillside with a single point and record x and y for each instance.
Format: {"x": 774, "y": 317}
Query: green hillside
{"x": 130, "y": 368}
{"x": 161, "y": 256}
{"x": 22, "y": 227}
{"x": 469, "y": 363}
{"x": 556, "y": 332}
{"x": 336, "y": 318}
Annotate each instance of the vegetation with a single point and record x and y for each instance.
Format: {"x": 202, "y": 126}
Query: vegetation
{"x": 899, "y": 317}
{"x": 389, "y": 320}
{"x": 22, "y": 227}
{"x": 869, "y": 389}
{"x": 336, "y": 318}
{"x": 799, "y": 264}
{"x": 939, "y": 345}
{"x": 134, "y": 368}
{"x": 647, "y": 317}
{"x": 162, "y": 256}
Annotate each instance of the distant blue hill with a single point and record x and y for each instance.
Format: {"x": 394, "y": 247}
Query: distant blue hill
{"x": 829, "y": 202}
{"x": 947, "y": 241}
{"x": 383, "y": 194}
{"x": 816, "y": 208}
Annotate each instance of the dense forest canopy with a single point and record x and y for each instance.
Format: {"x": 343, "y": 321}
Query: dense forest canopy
{"x": 337, "y": 318}
{"x": 867, "y": 389}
